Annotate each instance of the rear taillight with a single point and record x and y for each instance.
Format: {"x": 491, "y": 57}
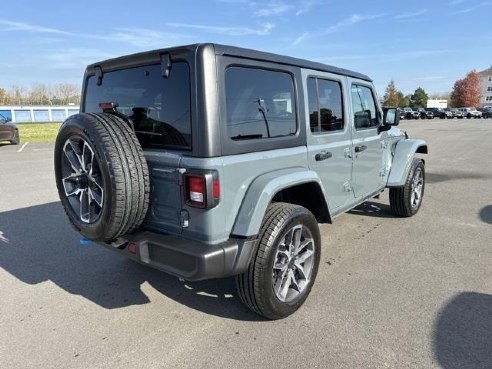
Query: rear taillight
{"x": 201, "y": 190}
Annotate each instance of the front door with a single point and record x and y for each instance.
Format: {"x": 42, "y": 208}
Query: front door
{"x": 329, "y": 136}
{"x": 367, "y": 144}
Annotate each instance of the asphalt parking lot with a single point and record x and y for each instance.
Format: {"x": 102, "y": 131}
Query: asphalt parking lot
{"x": 390, "y": 292}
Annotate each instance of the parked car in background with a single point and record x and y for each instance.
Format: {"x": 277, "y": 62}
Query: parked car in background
{"x": 409, "y": 113}
{"x": 424, "y": 114}
{"x": 8, "y": 131}
{"x": 440, "y": 113}
{"x": 486, "y": 112}
{"x": 456, "y": 113}
{"x": 471, "y": 113}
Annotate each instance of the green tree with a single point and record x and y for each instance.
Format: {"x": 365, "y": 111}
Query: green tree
{"x": 390, "y": 97}
{"x": 419, "y": 98}
{"x": 403, "y": 100}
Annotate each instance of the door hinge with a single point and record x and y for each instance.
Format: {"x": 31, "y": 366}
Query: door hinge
{"x": 347, "y": 187}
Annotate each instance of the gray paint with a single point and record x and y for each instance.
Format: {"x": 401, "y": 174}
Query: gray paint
{"x": 402, "y": 161}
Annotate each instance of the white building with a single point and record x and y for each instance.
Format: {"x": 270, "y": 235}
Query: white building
{"x": 434, "y": 103}
{"x": 41, "y": 114}
{"x": 486, "y": 82}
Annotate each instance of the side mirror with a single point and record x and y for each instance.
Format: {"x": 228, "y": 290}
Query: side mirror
{"x": 391, "y": 116}
{"x": 8, "y": 119}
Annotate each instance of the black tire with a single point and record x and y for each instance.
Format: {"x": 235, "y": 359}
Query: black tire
{"x": 256, "y": 286}
{"x": 118, "y": 175}
{"x": 401, "y": 197}
{"x": 16, "y": 139}
{"x": 468, "y": 116}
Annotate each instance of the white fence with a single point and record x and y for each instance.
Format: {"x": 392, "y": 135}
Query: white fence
{"x": 40, "y": 114}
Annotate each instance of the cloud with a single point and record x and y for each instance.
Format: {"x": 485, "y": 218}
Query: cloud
{"x": 26, "y": 27}
{"x": 386, "y": 56}
{"x": 141, "y": 37}
{"x": 456, "y": 2}
{"x": 473, "y": 8}
{"x": 75, "y": 58}
{"x": 271, "y": 8}
{"x": 350, "y": 21}
{"x": 306, "y": 5}
{"x": 265, "y": 29}
{"x": 412, "y": 14}
{"x": 299, "y": 39}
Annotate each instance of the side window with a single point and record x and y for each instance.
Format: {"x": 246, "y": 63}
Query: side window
{"x": 325, "y": 105}
{"x": 259, "y": 103}
{"x": 366, "y": 114}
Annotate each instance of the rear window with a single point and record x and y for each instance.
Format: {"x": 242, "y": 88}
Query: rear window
{"x": 158, "y": 107}
{"x": 260, "y": 104}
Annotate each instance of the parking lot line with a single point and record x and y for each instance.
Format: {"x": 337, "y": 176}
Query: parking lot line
{"x": 22, "y": 148}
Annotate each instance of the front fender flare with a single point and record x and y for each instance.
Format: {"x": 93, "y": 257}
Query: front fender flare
{"x": 260, "y": 194}
{"x": 402, "y": 160}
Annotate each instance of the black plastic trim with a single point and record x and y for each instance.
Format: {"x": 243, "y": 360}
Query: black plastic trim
{"x": 190, "y": 260}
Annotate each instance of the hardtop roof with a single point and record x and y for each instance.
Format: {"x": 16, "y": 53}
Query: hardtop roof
{"x": 226, "y": 50}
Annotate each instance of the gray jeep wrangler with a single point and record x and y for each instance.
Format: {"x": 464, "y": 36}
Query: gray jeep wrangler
{"x": 207, "y": 161}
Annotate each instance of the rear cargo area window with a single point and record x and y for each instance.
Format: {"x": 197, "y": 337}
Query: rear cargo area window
{"x": 158, "y": 107}
{"x": 260, "y": 103}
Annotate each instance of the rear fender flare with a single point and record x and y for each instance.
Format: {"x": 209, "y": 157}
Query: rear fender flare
{"x": 261, "y": 192}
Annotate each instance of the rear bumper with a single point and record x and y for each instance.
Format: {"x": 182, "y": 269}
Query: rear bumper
{"x": 190, "y": 260}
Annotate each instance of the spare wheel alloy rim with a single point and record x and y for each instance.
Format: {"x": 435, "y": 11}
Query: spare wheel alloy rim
{"x": 82, "y": 179}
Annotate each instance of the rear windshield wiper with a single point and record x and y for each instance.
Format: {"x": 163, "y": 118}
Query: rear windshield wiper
{"x": 263, "y": 109}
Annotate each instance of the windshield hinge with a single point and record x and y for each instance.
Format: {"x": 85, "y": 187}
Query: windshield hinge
{"x": 166, "y": 65}
{"x": 99, "y": 75}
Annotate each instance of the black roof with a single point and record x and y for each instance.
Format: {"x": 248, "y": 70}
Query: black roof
{"x": 228, "y": 51}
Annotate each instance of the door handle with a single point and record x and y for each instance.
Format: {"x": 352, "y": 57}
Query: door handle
{"x": 360, "y": 148}
{"x": 323, "y": 155}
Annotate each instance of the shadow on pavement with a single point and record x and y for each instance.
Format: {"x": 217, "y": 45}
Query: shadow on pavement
{"x": 373, "y": 209}
{"x": 37, "y": 244}
{"x": 453, "y": 175}
{"x": 463, "y": 332}
{"x": 486, "y": 215}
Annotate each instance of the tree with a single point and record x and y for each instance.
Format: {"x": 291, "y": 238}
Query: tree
{"x": 467, "y": 91}
{"x": 390, "y": 97}
{"x": 403, "y": 100}
{"x": 419, "y": 98}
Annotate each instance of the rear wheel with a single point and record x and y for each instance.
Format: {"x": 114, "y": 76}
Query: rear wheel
{"x": 101, "y": 175}
{"x": 285, "y": 266}
{"x": 406, "y": 201}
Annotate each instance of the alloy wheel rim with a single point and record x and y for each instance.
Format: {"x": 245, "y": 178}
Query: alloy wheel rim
{"x": 417, "y": 188}
{"x": 293, "y": 263}
{"x": 82, "y": 180}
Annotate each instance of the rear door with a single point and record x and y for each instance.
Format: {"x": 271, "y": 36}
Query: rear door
{"x": 329, "y": 136}
{"x": 160, "y": 110}
{"x": 367, "y": 177}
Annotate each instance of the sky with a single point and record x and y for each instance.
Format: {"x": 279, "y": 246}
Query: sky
{"x": 428, "y": 44}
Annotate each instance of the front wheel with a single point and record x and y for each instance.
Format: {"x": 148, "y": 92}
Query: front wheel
{"x": 406, "y": 201}
{"x": 284, "y": 268}
{"x": 16, "y": 139}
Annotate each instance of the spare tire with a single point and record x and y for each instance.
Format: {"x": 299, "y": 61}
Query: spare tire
{"x": 101, "y": 175}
